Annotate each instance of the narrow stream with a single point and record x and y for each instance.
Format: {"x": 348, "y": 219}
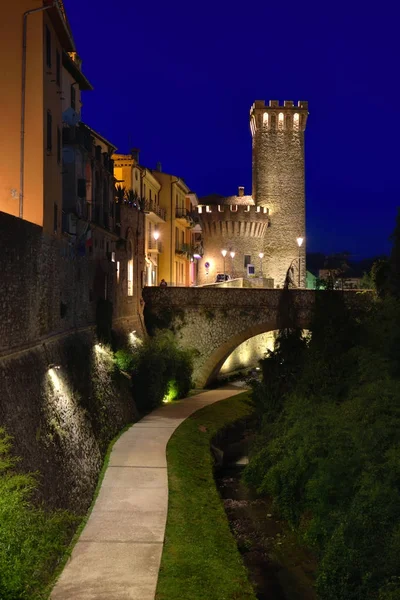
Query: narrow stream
{"x": 278, "y": 568}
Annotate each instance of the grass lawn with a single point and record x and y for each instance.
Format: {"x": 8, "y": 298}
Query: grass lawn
{"x": 200, "y": 560}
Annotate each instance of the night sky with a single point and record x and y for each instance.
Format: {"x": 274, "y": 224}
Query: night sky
{"x": 177, "y": 81}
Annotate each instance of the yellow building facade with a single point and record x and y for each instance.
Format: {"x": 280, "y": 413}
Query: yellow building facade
{"x": 34, "y": 39}
{"x": 176, "y": 262}
{"x": 168, "y": 204}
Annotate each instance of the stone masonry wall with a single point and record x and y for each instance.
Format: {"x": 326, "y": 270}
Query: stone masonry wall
{"x": 60, "y": 397}
{"x": 63, "y": 402}
{"x": 241, "y": 232}
{"x": 278, "y": 183}
{"x": 215, "y": 321}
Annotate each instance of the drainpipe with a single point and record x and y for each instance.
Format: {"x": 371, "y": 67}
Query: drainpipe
{"x": 172, "y": 249}
{"x": 23, "y": 94}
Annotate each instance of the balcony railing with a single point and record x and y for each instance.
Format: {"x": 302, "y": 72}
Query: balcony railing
{"x": 151, "y": 206}
{"x": 154, "y": 246}
{"x": 182, "y": 213}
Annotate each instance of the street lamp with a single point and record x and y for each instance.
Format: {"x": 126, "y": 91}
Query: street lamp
{"x": 232, "y": 257}
{"x": 261, "y": 256}
{"x": 224, "y": 252}
{"x": 299, "y": 242}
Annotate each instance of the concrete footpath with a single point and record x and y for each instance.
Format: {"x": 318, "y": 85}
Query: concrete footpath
{"x": 118, "y": 554}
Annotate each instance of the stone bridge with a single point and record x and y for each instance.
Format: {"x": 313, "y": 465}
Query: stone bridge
{"x": 215, "y": 321}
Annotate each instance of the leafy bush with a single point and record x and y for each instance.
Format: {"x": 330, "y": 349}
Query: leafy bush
{"x": 160, "y": 370}
{"x": 124, "y": 360}
{"x": 330, "y": 456}
{"x": 31, "y": 540}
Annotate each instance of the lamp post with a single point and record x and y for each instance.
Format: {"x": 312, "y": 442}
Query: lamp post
{"x": 232, "y": 257}
{"x": 224, "y": 252}
{"x": 261, "y": 256}
{"x": 299, "y": 243}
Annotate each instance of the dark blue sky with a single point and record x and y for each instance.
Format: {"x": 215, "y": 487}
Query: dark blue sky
{"x": 177, "y": 80}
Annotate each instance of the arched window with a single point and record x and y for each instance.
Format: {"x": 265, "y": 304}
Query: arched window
{"x": 296, "y": 121}
{"x": 280, "y": 121}
{"x": 266, "y": 119}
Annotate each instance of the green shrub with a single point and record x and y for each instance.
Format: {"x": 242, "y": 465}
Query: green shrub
{"x": 161, "y": 371}
{"x": 31, "y": 540}
{"x": 330, "y": 455}
{"x": 124, "y": 360}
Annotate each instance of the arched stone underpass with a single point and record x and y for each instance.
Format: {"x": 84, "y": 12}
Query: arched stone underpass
{"x": 215, "y": 321}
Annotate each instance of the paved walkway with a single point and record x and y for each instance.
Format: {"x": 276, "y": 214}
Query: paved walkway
{"x": 118, "y": 554}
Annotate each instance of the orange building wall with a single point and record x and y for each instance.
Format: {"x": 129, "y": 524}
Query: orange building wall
{"x": 10, "y": 107}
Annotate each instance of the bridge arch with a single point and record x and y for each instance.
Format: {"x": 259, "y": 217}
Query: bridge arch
{"x": 208, "y": 371}
{"x": 215, "y": 321}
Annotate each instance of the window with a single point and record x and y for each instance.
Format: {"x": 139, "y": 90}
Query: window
{"x": 130, "y": 270}
{"x": 58, "y": 68}
{"x": 144, "y": 191}
{"x": 117, "y": 271}
{"x": 176, "y": 238}
{"x": 55, "y": 218}
{"x": 48, "y": 47}
{"x": 150, "y": 195}
{"x": 49, "y": 133}
{"x": 247, "y": 260}
{"x": 73, "y": 96}
{"x": 58, "y": 145}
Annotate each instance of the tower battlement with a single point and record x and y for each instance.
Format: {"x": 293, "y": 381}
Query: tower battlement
{"x": 279, "y": 117}
{"x": 233, "y": 212}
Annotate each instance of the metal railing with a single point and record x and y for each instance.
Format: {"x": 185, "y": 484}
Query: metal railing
{"x": 154, "y": 245}
{"x": 151, "y": 206}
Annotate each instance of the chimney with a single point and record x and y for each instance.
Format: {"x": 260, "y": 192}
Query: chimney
{"x": 241, "y": 190}
{"x": 135, "y": 154}
{"x": 159, "y": 167}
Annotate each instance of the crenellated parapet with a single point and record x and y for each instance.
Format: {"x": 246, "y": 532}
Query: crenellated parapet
{"x": 233, "y": 220}
{"x": 277, "y": 117}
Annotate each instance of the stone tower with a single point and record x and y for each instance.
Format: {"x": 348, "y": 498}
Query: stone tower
{"x": 278, "y": 183}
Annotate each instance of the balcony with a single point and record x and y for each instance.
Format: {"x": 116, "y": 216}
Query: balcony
{"x": 151, "y": 207}
{"x": 185, "y": 214}
{"x": 77, "y": 135}
{"x": 154, "y": 246}
{"x": 183, "y": 249}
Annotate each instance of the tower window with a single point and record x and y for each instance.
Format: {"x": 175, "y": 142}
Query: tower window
{"x": 280, "y": 121}
{"x": 296, "y": 121}
{"x": 247, "y": 260}
{"x": 265, "y": 119}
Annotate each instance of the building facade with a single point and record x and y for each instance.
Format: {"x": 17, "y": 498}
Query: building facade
{"x": 35, "y": 39}
{"x": 177, "y": 264}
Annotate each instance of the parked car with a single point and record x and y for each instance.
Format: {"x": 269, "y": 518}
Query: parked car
{"x": 221, "y": 277}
